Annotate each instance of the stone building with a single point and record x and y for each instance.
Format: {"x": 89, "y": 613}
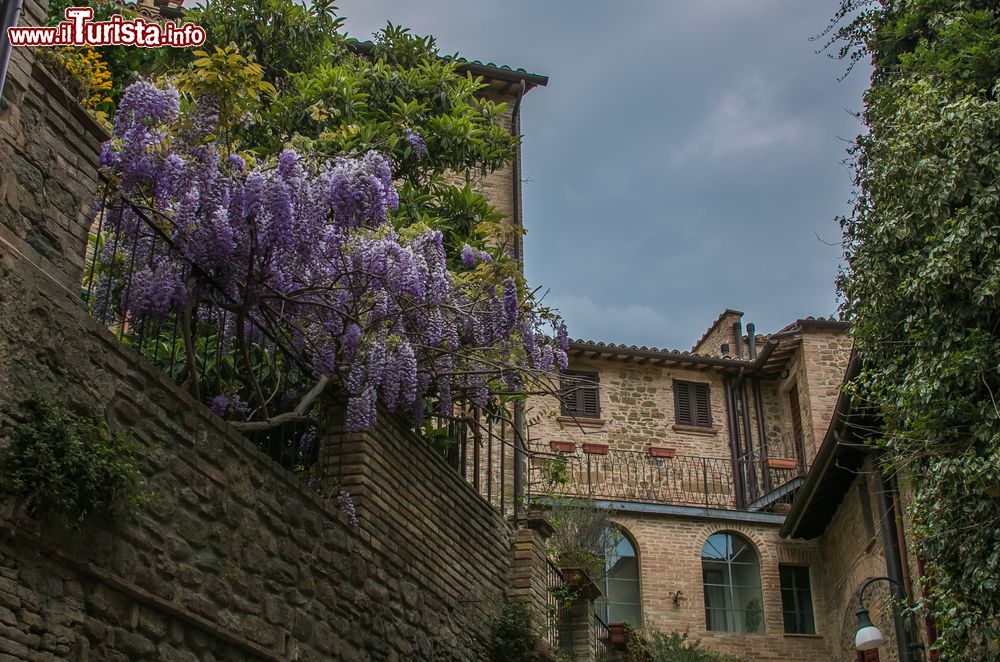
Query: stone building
{"x": 700, "y": 454}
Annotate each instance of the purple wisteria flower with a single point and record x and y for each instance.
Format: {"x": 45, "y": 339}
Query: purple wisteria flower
{"x": 346, "y": 505}
{"x": 417, "y": 144}
{"x": 469, "y": 256}
{"x": 364, "y": 303}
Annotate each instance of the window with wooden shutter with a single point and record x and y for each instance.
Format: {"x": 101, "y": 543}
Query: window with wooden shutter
{"x": 580, "y": 394}
{"x": 692, "y": 405}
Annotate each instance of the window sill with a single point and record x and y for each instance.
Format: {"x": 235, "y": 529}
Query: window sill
{"x": 694, "y": 429}
{"x": 794, "y": 635}
{"x": 583, "y": 422}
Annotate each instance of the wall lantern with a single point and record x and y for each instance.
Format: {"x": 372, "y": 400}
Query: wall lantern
{"x": 869, "y": 637}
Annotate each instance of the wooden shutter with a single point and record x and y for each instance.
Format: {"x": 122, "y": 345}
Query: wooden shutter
{"x": 702, "y": 407}
{"x": 682, "y": 403}
{"x": 581, "y": 394}
{"x": 692, "y": 405}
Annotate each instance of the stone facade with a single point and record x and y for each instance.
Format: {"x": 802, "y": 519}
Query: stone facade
{"x": 637, "y": 418}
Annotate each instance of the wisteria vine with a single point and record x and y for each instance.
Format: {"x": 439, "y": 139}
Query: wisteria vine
{"x": 300, "y": 256}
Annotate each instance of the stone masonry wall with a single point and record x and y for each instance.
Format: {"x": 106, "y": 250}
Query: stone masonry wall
{"x": 232, "y": 558}
{"x": 826, "y": 356}
{"x": 637, "y": 411}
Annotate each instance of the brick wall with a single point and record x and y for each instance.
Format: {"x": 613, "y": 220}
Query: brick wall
{"x": 232, "y": 558}
{"x": 852, "y": 551}
{"x": 670, "y": 560}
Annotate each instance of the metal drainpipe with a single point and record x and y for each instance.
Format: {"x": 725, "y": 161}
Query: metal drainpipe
{"x": 519, "y": 462}
{"x": 519, "y": 459}
{"x": 734, "y": 441}
{"x": 11, "y": 14}
{"x": 759, "y": 407}
{"x": 515, "y": 129}
{"x": 887, "y": 525}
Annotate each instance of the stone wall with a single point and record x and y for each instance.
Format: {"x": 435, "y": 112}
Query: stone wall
{"x": 825, "y": 355}
{"x": 232, "y": 558}
{"x": 637, "y": 411}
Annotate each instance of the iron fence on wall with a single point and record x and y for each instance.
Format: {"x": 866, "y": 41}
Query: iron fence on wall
{"x": 197, "y": 349}
{"x": 604, "y": 651}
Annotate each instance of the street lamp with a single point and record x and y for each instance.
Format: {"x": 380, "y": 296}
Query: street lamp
{"x": 868, "y": 636}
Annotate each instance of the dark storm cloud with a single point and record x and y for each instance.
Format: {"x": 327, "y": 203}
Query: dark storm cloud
{"x": 682, "y": 160}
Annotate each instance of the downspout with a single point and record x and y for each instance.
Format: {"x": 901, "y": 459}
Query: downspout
{"x": 515, "y": 129}
{"x": 734, "y": 441}
{"x": 759, "y": 407}
{"x": 11, "y": 14}
{"x": 890, "y": 543}
{"x": 519, "y": 455}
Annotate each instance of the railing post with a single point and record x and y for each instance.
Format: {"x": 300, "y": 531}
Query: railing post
{"x": 704, "y": 475}
{"x": 518, "y": 460}
{"x": 590, "y": 485}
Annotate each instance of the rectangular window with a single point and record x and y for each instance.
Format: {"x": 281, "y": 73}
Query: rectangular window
{"x": 796, "y": 599}
{"x": 691, "y": 404}
{"x": 580, "y": 394}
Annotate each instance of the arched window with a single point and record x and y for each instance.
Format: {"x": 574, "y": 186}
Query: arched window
{"x": 730, "y": 569}
{"x": 621, "y": 601}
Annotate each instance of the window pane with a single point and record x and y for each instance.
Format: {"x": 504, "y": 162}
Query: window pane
{"x": 731, "y": 575}
{"x": 621, "y": 601}
{"x": 796, "y": 600}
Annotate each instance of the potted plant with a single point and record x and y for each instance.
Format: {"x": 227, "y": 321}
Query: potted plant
{"x": 583, "y": 537}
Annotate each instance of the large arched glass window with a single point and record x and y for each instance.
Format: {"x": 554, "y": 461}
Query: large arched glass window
{"x": 730, "y": 569}
{"x": 621, "y": 601}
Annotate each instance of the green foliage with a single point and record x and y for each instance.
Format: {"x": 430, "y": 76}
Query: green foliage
{"x": 283, "y": 37}
{"x": 236, "y": 82}
{"x": 70, "y": 467}
{"x": 332, "y": 97}
{"x": 652, "y": 646}
{"x": 922, "y": 286}
{"x": 584, "y": 534}
{"x": 124, "y": 62}
{"x": 514, "y": 640}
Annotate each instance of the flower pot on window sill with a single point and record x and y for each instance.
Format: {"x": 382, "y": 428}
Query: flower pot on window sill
{"x": 781, "y": 463}
{"x": 562, "y": 446}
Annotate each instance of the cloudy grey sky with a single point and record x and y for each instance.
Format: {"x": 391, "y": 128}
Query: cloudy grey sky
{"x": 686, "y": 156}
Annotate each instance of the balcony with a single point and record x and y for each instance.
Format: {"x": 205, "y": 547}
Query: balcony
{"x": 658, "y": 475}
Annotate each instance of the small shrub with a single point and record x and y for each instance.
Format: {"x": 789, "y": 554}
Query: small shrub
{"x": 514, "y": 640}
{"x": 62, "y": 465}
{"x": 584, "y": 534}
{"x": 653, "y": 646}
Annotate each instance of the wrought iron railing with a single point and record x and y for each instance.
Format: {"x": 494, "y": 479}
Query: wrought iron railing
{"x": 557, "y": 632}
{"x": 604, "y": 651}
{"x": 198, "y": 349}
{"x": 641, "y": 476}
{"x": 481, "y": 445}
{"x": 770, "y": 474}
{"x": 635, "y": 476}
